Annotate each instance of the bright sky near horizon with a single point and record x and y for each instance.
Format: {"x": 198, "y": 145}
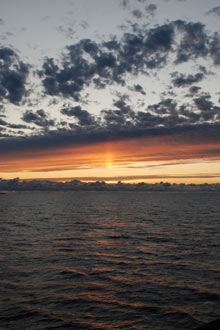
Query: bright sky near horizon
{"x": 99, "y": 89}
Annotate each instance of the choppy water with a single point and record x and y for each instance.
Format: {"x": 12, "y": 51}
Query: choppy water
{"x": 109, "y": 260}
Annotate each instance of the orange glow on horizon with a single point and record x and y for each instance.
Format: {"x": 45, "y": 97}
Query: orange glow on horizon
{"x": 111, "y": 159}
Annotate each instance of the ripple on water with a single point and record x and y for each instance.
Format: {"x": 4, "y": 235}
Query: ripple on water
{"x": 109, "y": 261}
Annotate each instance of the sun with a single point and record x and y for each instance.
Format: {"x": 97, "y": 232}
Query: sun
{"x": 108, "y": 162}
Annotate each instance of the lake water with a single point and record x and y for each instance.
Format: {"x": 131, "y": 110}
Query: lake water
{"x": 109, "y": 260}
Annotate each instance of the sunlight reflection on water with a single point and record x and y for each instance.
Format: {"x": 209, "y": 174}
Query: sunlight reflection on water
{"x": 110, "y": 260}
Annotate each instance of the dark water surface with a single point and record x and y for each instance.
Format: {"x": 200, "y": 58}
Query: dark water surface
{"x": 109, "y": 260}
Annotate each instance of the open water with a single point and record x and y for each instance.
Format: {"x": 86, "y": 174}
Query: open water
{"x": 109, "y": 260}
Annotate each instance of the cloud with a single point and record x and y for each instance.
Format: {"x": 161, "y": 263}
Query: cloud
{"x": 194, "y": 89}
{"x": 84, "y": 117}
{"x": 88, "y": 63}
{"x": 151, "y": 9}
{"x": 64, "y": 149}
{"x": 3, "y": 122}
{"x": 121, "y": 104}
{"x": 77, "y": 72}
{"x": 215, "y": 11}
{"x": 13, "y": 77}
{"x": 17, "y": 126}
{"x": 68, "y": 32}
{"x": 124, "y": 4}
{"x": 215, "y": 48}
{"x": 146, "y": 119}
{"x": 137, "y": 13}
{"x": 38, "y": 118}
{"x": 172, "y": 163}
{"x": 191, "y": 116}
{"x": 138, "y": 88}
{"x": 166, "y": 106}
{"x": 198, "y": 132}
{"x": 203, "y": 103}
{"x": 194, "y": 42}
{"x": 114, "y": 119}
{"x": 147, "y": 177}
{"x": 183, "y": 80}
{"x": 160, "y": 38}
{"x": 10, "y": 125}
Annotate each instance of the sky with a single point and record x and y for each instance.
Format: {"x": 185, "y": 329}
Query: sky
{"x": 109, "y": 90}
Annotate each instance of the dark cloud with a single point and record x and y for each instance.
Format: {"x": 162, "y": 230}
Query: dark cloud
{"x": 17, "y": 126}
{"x": 84, "y": 117}
{"x": 215, "y": 11}
{"x": 78, "y": 72}
{"x": 215, "y": 48}
{"x": 203, "y": 103}
{"x": 137, "y": 13}
{"x": 2, "y": 22}
{"x": 8, "y": 126}
{"x": 13, "y": 77}
{"x": 139, "y": 89}
{"x": 88, "y": 63}
{"x": 121, "y": 104}
{"x": 160, "y": 38}
{"x": 38, "y": 118}
{"x": 166, "y": 106}
{"x": 2, "y": 109}
{"x": 148, "y": 120}
{"x": 2, "y": 133}
{"x": 114, "y": 119}
{"x": 197, "y": 133}
{"x": 194, "y": 42}
{"x": 191, "y": 116}
{"x": 194, "y": 89}
{"x": 3, "y": 122}
{"x": 183, "y": 80}
{"x": 150, "y": 9}
{"x": 122, "y": 116}
{"x": 208, "y": 111}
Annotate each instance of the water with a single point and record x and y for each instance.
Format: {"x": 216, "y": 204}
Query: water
{"x": 109, "y": 260}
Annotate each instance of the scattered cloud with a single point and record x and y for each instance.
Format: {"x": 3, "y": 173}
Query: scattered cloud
{"x": 214, "y": 11}
{"x": 183, "y": 80}
{"x": 67, "y": 31}
{"x": 137, "y": 13}
{"x": 139, "y": 89}
{"x": 39, "y": 118}
{"x": 151, "y": 9}
{"x": 124, "y": 4}
{"x": 144, "y": 50}
{"x": 84, "y": 117}
{"x": 13, "y": 77}
{"x": 3, "y": 122}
